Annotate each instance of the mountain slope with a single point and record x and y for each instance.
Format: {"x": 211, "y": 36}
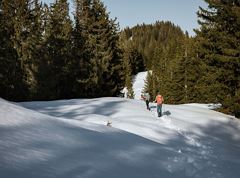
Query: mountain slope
{"x": 69, "y": 138}
{"x": 37, "y": 145}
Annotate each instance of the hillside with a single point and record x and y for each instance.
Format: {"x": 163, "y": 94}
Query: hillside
{"x": 69, "y": 138}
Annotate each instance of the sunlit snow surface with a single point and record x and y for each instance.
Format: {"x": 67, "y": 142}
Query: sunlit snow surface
{"x": 70, "y": 139}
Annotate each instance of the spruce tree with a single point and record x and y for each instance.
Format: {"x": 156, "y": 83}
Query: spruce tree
{"x": 158, "y": 72}
{"x": 26, "y": 39}
{"x": 218, "y": 39}
{"x": 108, "y": 54}
{"x": 128, "y": 80}
{"x": 150, "y": 85}
{"x": 128, "y": 71}
{"x": 12, "y": 74}
{"x": 80, "y": 61}
{"x": 54, "y": 64}
{"x": 186, "y": 75}
{"x": 101, "y": 34}
{"x": 86, "y": 76}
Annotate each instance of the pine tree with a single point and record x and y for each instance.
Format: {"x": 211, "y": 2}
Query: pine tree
{"x": 158, "y": 71}
{"x": 12, "y": 75}
{"x": 35, "y": 41}
{"x": 149, "y": 85}
{"x": 110, "y": 63}
{"x": 136, "y": 60}
{"x": 128, "y": 71}
{"x": 218, "y": 39}
{"x": 80, "y": 61}
{"x": 103, "y": 49}
{"x": 54, "y": 65}
{"x": 26, "y": 37}
{"x": 187, "y": 74}
{"x": 128, "y": 81}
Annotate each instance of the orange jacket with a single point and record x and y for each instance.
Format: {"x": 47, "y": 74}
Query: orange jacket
{"x": 159, "y": 99}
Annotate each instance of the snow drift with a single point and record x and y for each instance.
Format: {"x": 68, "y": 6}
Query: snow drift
{"x": 69, "y": 138}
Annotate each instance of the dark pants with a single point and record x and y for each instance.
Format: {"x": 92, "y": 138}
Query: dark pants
{"x": 159, "y": 110}
{"x": 147, "y": 104}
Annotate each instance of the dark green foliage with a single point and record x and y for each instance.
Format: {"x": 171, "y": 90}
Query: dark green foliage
{"x": 103, "y": 53}
{"x": 145, "y": 38}
{"x": 150, "y": 85}
{"x": 56, "y": 46}
{"x": 45, "y": 56}
{"x": 128, "y": 68}
{"x": 201, "y": 69}
{"x": 189, "y": 69}
{"x": 161, "y": 46}
{"x": 17, "y": 42}
{"x": 80, "y": 65}
{"x": 136, "y": 60}
{"x": 218, "y": 39}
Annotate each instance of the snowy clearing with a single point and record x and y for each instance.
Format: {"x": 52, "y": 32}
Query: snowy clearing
{"x": 69, "y": 138}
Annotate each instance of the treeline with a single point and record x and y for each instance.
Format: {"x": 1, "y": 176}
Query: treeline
{"x": 47, "y": 55}
{"x": 204, "y": 68}
{"x": 218, "y": 48}
{"x": 159, "y": 48}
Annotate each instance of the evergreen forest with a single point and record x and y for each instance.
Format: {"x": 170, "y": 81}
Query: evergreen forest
{"x": 45, "y": 54}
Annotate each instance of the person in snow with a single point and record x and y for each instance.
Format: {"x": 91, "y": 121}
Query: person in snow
{"x": 159, "y": 100}
{"x": 146, "y": 98}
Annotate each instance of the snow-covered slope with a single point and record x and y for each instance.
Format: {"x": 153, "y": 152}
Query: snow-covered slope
{"x": 38, "y": 145}
{"x": 138, "y": 84}
{"x": 69, "y": 138}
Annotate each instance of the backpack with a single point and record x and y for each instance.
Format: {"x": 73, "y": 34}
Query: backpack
{"x": 147, "y": 96}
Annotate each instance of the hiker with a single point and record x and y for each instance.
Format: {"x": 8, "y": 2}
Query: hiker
{"x": 146, "y": 98}
{"x": 159, "y": 100}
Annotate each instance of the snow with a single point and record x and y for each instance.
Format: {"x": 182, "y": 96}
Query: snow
{"x": 138, "y": 84}
{"x": 69, "y": 138}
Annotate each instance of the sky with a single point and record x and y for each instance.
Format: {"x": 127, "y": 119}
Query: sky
{"x": 132, "y": 12}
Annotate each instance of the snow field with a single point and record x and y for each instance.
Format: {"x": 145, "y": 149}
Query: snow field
{"x": 69, "y": 138}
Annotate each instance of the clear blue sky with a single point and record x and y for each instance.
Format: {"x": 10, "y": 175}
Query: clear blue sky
{"x": 133, "y": 12}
